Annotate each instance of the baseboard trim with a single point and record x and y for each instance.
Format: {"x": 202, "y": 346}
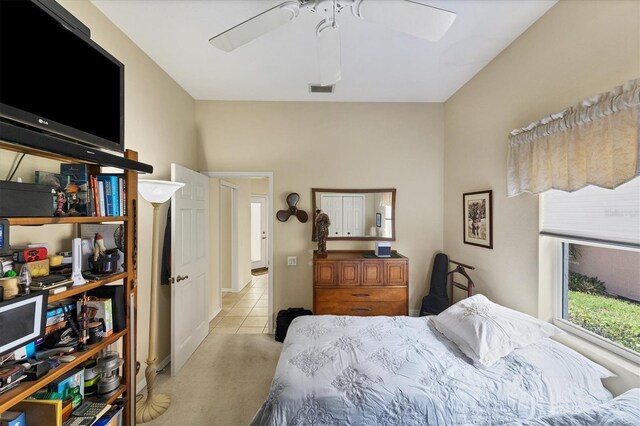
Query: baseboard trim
{"x": 142, "y": 384}
{"x": 162, "y": 364}
{"x": 214, "y": 314}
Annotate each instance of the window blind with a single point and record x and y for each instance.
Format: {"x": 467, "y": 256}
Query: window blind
{"x": 594, "y": 214}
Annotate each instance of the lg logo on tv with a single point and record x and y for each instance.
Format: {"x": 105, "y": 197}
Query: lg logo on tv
{"x": 41, "y": 121}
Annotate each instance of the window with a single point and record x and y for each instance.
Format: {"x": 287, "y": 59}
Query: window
{"x": 598, "y": 285}
{"x": 601, "y": 292}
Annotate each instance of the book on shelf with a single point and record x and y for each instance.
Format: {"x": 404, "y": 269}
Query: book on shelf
{"x": 108, "y": 194}
{"x": 101, "y": 198}
{"x": 41, "y": 411}
{"x": 77, "y": 172}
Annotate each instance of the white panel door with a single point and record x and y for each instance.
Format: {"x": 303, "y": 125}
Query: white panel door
{"x": 258, "y": 231}
{"x": 332, "y": 206}
{"x": 353, "y": 215}
{"x": 189, "y": 264}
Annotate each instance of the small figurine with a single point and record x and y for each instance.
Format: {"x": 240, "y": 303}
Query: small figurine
{"x": 61, "y": 201}
{"x": 98, "y": 247}
{"x": 73, "y": 202}
{"x": 322, "y": 224}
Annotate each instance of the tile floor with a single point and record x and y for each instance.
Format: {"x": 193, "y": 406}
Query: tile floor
{"x": 245, "y": 311}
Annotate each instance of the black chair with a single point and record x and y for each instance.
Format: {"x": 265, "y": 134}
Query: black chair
{"x": 437, "y": 300}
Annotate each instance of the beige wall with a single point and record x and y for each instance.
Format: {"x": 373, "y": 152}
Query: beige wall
{"x": 260, "y": 186}
{"x": 334, "y": 145}
{"x": 159, "y": 124}
{"x": 577, "y": 49}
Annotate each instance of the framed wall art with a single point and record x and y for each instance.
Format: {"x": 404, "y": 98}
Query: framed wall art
{"x": 477, "y": 218}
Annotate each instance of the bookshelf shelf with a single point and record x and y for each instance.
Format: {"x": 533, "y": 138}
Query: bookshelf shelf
{"x": 110, "y": 400}
{"x": 35, "y": 221}
{"x": 72, "y": 291}
{"x": 17, "y": 394}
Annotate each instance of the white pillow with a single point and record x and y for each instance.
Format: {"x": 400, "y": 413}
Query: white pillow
{"x": 485, "y": 331}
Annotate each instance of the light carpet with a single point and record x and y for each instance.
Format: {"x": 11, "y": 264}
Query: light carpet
{"x": 224, "y": 383}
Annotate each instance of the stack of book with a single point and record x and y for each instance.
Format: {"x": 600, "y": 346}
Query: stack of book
{"x": 55, "y": 315}
{"x": 109, "y": 195}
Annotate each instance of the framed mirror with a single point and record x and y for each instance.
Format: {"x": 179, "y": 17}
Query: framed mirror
{"x": 356, "y": 214}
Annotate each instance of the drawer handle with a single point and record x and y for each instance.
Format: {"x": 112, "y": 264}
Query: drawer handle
{"x": 361, "y": 309}
{"x": 361, "y": 295}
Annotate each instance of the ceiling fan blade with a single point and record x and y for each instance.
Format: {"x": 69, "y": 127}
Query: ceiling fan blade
{"x": 409, "y": 17}
{"x": 255, "y": 27}
{"x": 328, "y": 44}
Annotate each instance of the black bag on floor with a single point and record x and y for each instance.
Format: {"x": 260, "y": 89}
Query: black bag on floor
{"x": 284, "y": 318}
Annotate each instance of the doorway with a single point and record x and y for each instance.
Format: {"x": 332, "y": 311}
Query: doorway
{"x": 233, "y": 259}
{"x": 259, "y": 233}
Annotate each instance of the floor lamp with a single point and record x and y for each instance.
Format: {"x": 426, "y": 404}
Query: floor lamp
{"x": 157, "y": 192}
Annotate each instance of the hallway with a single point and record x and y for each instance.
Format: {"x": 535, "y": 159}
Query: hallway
{"x": 245, "y": 311}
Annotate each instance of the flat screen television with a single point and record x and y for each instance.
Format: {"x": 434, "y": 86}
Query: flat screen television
{"x": 53, "y": 77}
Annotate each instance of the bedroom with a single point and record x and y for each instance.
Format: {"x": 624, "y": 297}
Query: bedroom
{"x": 576, "y": 50}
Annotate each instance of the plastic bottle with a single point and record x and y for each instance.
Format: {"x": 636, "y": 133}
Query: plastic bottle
{"x": 24, "y": 280}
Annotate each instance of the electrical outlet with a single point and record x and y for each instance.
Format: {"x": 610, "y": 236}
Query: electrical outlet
{"x": 292, "y": 260}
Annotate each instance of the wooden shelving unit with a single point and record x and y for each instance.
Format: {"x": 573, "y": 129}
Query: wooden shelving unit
{"x": 36, "y": 221}
{"x": 129, "y": 277}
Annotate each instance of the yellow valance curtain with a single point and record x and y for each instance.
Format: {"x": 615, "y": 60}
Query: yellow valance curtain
{"x": 596, "y": 142}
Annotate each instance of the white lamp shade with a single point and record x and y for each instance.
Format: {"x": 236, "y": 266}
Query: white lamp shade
{"x": 157, "y": 191}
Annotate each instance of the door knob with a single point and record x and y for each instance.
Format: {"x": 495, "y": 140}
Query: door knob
{"x": 181, "y": 278}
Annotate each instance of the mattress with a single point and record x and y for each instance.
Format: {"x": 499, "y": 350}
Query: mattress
{"x": 342, "y": 370}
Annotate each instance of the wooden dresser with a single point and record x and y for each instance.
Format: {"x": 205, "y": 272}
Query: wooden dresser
{"x": 358, "y": 283}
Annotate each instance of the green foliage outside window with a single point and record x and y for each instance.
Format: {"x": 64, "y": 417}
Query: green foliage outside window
{"x": 615, "y": 319}
{"x": 585, "y": 284}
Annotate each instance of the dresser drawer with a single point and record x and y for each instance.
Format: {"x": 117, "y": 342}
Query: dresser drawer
{"x": 361, "y": 295}
{"x": 361, "y": 308}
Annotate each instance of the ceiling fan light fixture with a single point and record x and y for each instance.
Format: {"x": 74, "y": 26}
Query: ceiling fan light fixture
{"x": 408, "y": 17}
{"x": 328, "y": 45}
{"x": 253, "y": 28}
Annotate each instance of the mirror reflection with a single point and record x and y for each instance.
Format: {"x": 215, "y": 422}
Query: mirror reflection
{"x": 357, "y": 214}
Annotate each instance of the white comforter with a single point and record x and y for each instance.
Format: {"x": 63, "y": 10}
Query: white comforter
{"x": 624, "y": 410}
{"x": 337, "y": 370}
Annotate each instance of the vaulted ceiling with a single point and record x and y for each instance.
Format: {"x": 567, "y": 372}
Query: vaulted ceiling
{"x": 378, "y": 64}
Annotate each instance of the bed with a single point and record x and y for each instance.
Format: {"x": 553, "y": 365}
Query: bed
{"x": 341, "y": 370}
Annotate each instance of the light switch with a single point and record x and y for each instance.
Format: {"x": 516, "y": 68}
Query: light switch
{"x": 292, "y": 260}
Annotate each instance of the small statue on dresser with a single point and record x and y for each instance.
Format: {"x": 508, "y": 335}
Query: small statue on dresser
{"x": 322, "y": 224}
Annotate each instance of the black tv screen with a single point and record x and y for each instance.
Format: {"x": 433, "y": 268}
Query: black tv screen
{"x": 55, "y": 78}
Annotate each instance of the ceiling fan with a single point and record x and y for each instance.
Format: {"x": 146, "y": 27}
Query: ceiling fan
{"x": 406, "y": 16}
